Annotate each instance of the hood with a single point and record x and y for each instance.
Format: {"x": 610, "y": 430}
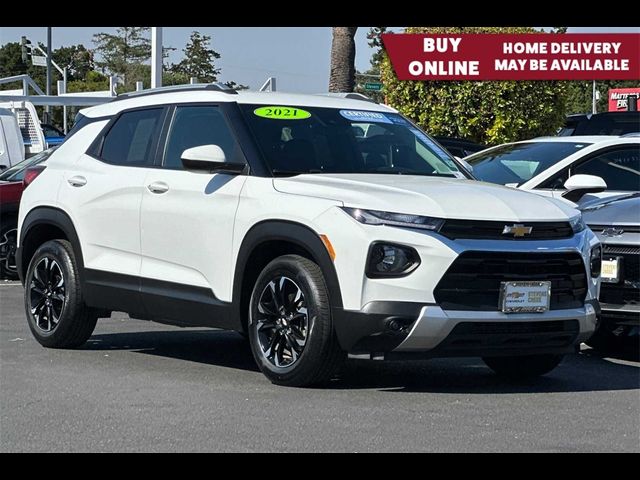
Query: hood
{"x": 619, "y": 210}
{"x": 429, "y": 196}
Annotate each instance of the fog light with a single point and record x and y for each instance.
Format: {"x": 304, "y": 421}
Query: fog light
{"x": 391, "y": 260}
{"x": 596, "y": 261}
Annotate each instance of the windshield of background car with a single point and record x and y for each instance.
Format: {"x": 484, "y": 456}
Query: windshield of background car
{"x": 329, "y": 140}
{"x": 16, "y": 173}
{"x": 614, "y": 124}
{"x": 520, "y": 162}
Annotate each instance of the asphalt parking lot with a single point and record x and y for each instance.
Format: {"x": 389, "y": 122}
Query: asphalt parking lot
{"x": 140, "y": 386}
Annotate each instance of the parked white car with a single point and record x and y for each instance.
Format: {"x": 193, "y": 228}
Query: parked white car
{"x": 270, "y": 214}
{"x": 11, "y": 144}
{"x": 577, "y": 169}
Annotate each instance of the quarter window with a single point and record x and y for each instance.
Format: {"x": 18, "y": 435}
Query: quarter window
{"x": 193, "y": 126}
{"x": 129, "y": 141}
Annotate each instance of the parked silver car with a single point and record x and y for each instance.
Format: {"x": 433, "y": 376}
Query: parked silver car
{"x": 616, "y": 222}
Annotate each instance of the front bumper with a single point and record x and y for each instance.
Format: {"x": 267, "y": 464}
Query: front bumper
{"x": 388, "y": 329}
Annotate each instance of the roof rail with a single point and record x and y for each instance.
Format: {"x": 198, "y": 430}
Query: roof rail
{"x": 631, "y": 135}
{"x": 216, "y": 87}
{"x": 349, "y": 95}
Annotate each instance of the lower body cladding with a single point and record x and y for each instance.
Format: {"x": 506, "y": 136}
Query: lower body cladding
{"x": 383, "y": 330}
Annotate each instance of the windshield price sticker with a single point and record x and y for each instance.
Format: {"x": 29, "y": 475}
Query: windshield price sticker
{"x": 281, "y": 113}
{"x": 364, "y": 117}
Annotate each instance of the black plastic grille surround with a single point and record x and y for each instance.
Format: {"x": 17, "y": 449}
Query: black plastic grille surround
{"x": 482, "y": 230}
{"x": 473, "y": 281}
{"x": 627, "y": 290}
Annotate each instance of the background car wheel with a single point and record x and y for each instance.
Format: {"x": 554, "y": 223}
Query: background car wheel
{"x": 8, "y": 246}
{"x": 56, "y": 313}
{"x": 290, "y": 326}
{"x": 523, "y": 366}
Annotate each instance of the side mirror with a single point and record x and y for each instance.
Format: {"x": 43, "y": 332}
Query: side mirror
{"x": 579, "y": 185}
{"x": 211, "y": 159}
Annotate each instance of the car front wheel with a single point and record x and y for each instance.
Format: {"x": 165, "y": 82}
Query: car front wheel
{"x": 290, "y": 327}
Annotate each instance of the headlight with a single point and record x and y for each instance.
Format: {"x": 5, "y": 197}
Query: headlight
{"x": 596, "y": 261}
{"x": 376, "y": 217}
{"x": 391, "y": 260}
{"x": 577, "y": 224}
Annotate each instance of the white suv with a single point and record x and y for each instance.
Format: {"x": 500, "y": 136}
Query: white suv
{"x": 317, "y": 225}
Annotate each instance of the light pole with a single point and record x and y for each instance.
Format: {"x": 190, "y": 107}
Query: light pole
{"x": 156, "y": 57}
{"x": 48, "y": 89}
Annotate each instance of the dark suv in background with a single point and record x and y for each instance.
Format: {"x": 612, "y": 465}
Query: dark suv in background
{"x": 606, "y": 123}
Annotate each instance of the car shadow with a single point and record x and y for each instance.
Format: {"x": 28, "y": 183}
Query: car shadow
{"x": 586, "y": 371}
{"x": 581, "y": 372}
{"x": 212, "y": 347}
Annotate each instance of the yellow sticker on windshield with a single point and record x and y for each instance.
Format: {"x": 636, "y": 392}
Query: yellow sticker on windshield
{"x": 282, "y": 113}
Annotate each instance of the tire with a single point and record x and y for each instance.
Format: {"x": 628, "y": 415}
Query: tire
{"x": 612, "y": 339}
{"x": 522, "y": 367}
{"x": 75, "y": 322}
{"x": 296, "y": 345}
{"x": 8, "y": 246}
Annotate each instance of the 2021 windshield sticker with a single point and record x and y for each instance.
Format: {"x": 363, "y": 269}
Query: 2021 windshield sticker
{"x": 281, "y": 113}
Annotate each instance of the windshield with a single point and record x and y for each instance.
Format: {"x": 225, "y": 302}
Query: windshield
{"x": 620, "y": 123}
{"x": 517, "y": 163}
{"x": 16, "y": 173}
{"x": 328, "y": 140}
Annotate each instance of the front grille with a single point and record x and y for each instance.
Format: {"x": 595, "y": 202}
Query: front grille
{"x": 627, "y": 290}
{"x": 626, "y": 228}
{"x": 496, "y": 336}
{"x": 480, "y": 230}
{"x": 472, "y": 282}
{"x": 620, "y": 250}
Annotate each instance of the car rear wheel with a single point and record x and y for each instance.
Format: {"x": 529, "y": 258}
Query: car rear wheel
{"x": 8, "y": 246}
{"x": 56, "y": 313}
{"x": 521, "y": 367}
{"x": 290, "y": 327}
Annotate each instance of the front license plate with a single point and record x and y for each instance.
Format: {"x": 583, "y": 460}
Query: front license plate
{"x": 611, "y": 270}
{"x": 525, "y": 297}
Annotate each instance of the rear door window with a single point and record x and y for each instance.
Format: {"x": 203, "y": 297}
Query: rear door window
{"x": 130, "y": 140}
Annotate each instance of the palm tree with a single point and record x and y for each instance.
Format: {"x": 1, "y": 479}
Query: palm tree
{"x": 343, "y": 56}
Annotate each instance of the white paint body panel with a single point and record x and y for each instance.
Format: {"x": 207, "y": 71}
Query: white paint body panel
{"x": 187, "y": 232}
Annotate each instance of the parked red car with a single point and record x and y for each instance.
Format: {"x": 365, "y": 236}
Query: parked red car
{"x": 11, "y": 187}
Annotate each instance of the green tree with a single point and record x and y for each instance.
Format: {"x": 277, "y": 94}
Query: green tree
{"x": 580, "y": 94}
{"x": 78, "y": 60}
{"x": 236, "y": 86}
{"x": 11, "y": 64}
{"x": 199, "y": 59}
{"x": 124, "y": 53}
{"x": 489, "y": 112}
{"x": 342, "y": 77}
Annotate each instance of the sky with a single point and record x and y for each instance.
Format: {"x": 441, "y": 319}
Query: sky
{"x": 297, "y": 56}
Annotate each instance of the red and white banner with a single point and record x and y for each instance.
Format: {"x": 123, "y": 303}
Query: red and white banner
{"x": 618, "y": 98}
{"x": 543, "y": 56}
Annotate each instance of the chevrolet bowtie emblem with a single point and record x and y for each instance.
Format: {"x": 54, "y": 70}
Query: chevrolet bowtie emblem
{"x": 517, "y": 230}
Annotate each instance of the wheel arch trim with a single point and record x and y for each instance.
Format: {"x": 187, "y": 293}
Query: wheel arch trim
{"x": 48, "y": 216}
{"x": 299, "y": 234}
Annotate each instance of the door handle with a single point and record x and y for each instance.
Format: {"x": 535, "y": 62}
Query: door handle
{"x": 77, "y": 181}
{"x": 158, "y": 187}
